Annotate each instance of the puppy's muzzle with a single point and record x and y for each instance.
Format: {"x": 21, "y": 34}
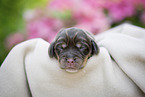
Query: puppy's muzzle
{"x": 71, "y": 62}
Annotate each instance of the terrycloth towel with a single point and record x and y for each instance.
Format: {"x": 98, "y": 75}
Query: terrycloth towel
{"x": 117, "y": 71}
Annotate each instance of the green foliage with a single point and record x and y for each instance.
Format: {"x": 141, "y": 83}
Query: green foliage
{"x": 61, "y": 14}
{"x": 11, "y": 18}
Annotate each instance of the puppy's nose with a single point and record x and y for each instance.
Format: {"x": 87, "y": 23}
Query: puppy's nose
{"x": 70, "y": 62}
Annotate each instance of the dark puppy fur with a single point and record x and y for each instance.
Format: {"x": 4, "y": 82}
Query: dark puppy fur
{"x": 72, "y": 47}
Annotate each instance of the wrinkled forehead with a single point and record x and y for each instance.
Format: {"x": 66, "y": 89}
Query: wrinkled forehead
{"x": 71, "y": 33}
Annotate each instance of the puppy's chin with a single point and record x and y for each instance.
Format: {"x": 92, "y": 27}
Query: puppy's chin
{"x": 70, "y": 70}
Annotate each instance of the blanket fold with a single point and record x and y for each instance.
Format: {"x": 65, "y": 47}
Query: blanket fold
{"x": 117, "y": 71}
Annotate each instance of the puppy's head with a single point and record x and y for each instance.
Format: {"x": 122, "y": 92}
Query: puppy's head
{"x": 72, "y": 48}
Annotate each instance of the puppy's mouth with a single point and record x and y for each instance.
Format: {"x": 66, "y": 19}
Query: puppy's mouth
{"x": 71, "y": 70}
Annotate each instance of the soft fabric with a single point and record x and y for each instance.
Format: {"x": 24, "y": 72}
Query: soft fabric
{"x": 117, "y": 71}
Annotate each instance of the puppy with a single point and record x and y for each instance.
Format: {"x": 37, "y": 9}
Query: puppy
{"x": 72, "y": 48}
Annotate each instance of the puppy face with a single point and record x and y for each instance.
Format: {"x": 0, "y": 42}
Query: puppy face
{"x": 72, "y": 48}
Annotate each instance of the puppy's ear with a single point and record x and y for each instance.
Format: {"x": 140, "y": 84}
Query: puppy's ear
{"x": 95, "y": 48}
{"x": 51, "y": 50}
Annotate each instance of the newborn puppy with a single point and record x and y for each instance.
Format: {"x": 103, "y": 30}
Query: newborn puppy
{"x": 72, "y": 47}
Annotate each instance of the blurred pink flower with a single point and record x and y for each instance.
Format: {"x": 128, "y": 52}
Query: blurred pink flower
{"x": 90, "y": 18}
{"x": 121, "y": 9}
{"x": 96, "y": 3}
{"x": 14, "y": 39}
{"x": 83, "y": 11}
{"x": 45, "y": 28}
{"x": 143, "y": 3}
{"x": 95, "y": 26}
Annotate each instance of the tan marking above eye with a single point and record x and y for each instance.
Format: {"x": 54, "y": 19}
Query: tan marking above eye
{"x": 64, "y": 45}
{"x": 78, "y": 45}
{"x": 60, "y": 38}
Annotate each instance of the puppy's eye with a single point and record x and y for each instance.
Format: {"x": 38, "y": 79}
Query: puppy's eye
{"x": 63, "y": 45}
{"x": 78, "y": 45}
{"x": 81, "y": 46}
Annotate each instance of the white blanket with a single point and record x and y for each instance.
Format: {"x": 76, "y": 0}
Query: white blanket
{"x": 117, "y": 71}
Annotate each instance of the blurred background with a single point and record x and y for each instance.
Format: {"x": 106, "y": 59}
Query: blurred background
{"x": 21, "y": 20}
